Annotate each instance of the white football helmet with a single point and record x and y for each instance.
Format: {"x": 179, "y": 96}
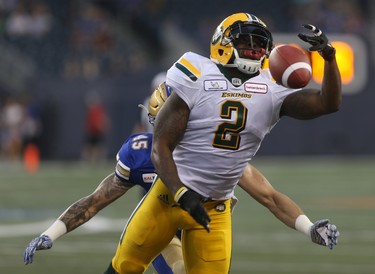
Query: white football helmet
{"x": 242, "y": 40}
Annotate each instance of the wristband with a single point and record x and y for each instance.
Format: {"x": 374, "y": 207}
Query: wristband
{"x": 303, "y": 224}
{"x": 180, "y": 192}
{"x": 56, "y": 230}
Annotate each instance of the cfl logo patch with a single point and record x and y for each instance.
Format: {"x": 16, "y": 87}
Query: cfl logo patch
{"x": 220, "y": 207}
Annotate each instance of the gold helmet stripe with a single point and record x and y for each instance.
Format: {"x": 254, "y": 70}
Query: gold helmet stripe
{"x": 187, "y": 68}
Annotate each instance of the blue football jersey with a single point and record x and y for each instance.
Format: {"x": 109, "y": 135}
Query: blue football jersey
{"x": 134, "y": 165}
{"x": 134, "y": 162}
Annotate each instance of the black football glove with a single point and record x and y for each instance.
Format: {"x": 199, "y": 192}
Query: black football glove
{"x": 191, "y": 201}
{"x": 319, "y": 42}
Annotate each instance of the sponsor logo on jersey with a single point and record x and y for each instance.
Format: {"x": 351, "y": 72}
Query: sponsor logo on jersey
{"x": 148, "y": 177}
{"x": 215, "y": 85}
{"x": 256, "y": 88}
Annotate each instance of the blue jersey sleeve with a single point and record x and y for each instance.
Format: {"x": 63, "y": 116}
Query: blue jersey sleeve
{"x": 134, "y": 161}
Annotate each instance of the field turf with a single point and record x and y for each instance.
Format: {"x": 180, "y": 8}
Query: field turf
{"x": 341, "y": 189}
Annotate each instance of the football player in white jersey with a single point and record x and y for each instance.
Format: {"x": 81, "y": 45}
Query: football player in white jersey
{"x": 135, "y": 168}
{"x": 212, "y": 125}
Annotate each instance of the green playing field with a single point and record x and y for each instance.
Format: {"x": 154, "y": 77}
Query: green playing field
{"x": 342, "y": 190}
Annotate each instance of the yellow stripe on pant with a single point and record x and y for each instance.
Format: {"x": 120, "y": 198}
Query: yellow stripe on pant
{"x": 154, "y": 223}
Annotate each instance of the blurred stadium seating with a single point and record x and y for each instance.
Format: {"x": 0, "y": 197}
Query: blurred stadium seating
{"x": 115, "y": 48}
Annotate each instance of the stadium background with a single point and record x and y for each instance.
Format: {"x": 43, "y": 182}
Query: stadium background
{"x": 114, "y": 48}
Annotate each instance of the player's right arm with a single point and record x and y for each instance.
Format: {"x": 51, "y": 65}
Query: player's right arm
{"x": 312, "y": 103}
{"x": 285, "y": 209}
{"x": 170, "y": 126}
{"x": 110, "y": 189}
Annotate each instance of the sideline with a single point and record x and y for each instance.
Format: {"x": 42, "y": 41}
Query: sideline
{"x": 96, "y": 225}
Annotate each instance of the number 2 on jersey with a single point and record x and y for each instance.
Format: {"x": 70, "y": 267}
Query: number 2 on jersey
{"x": 227, "y": 133}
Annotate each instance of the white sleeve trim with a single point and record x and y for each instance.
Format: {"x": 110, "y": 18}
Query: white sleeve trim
{"x": 122, "y": 170}
{"x": 303, "y": 224}
{"x": 56, "y": 230}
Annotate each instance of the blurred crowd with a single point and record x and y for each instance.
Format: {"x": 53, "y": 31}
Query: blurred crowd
{"x": 91, "y": 39}
{"x": 82, "y": 38}
{"x": 20, "y": 126}
{"x": 335, "y": 16}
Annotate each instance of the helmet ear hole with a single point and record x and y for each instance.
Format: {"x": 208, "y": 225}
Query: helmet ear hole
{"x": 221, "y": 52}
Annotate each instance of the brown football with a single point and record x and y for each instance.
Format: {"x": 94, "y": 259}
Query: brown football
{"x": 290, "y": 66}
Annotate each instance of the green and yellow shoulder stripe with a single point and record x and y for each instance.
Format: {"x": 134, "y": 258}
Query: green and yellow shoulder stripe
{"x": 188, "y": 69}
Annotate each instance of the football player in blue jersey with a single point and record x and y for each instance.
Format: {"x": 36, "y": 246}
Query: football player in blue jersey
{"x": 134, "y": 167}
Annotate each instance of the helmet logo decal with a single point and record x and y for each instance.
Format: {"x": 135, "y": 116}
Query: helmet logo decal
{"x": 217, "y": 35}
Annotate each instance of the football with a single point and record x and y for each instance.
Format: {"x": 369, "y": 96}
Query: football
{"x": 290, "y": 66}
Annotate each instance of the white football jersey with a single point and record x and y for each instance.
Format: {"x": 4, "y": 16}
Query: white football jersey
{"x": 226, "y": 126}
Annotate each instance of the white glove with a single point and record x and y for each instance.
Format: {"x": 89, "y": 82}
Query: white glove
{"x": 324, "y": 233}
{"x": 39, "y": 243}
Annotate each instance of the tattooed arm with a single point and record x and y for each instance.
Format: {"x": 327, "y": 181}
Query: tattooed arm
{"x": 109, "y": 190}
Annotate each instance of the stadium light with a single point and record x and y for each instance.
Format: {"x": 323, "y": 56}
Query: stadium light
{"x": 351, "y": 56}
{"x": 345, "y": 61}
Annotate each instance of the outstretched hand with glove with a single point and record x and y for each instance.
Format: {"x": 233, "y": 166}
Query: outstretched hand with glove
{"x": 318, "y": 41}
{"x": 324, "y": 233}
{"x": 321, "y": 232}
{"x": 39, "y": 243}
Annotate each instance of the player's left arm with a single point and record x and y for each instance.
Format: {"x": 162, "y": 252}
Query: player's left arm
{"x": 258, "y": 187}
{"x": 311, "y": 103}
{"x": 285, "y": 209}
